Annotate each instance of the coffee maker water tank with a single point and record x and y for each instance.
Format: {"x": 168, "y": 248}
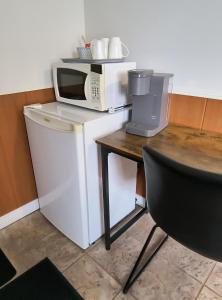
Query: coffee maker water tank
{"x": 150, "y": 98}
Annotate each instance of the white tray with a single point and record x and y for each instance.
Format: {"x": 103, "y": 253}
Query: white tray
{"x": 92, "y": 61}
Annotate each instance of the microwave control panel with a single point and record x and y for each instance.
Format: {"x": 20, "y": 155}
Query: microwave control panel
{"x": 95, "y": 86}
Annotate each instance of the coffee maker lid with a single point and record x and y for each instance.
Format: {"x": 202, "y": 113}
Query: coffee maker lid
{"x": 140, "y": 73}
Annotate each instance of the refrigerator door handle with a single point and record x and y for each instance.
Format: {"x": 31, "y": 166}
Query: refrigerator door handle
{"x": 52, "y": 122}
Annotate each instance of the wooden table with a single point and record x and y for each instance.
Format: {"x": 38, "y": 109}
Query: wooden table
{"x": 191, "y": 147}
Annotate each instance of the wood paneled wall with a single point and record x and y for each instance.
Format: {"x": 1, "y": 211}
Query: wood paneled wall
{"x": 17, "y": 183}
{"x": 195, "y": 112}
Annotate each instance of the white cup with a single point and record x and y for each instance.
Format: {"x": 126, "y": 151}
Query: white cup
{"x": 98, "y": 49}
{"x": 116, "y": 48}
{"x": 106, "y": 46}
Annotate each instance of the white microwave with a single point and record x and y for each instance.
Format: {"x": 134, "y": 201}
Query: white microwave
{"x": 96, "y": 86}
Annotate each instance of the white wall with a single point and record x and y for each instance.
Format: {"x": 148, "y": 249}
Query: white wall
{"x": 180, "y": 37}
{"x": 33, "y": 34}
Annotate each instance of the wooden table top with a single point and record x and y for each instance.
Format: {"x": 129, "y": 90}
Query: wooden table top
{"x": 192, "y": 147}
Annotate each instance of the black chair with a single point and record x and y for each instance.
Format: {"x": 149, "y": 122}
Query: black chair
{"x": 185, "y": 203}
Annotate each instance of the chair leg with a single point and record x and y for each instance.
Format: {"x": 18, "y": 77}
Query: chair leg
{"x": 134, "y": 273}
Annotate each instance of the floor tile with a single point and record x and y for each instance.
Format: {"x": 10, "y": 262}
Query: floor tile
{"x": 164, "y": 281}
{"x": 122, "y": 296}
{"x": 91, "y": 281}
{"x": 207, "y": 294}
{"x": 38, "y": 222}
{"x": 23, "y": 233}
{"x": 59, "y": 249}
{"x": 119, "y": 260}
{"x": 175, "y": 273}
{"x": 191, "y": 262}
{"x": 141, "y": 228}
{"x": 215, "y": 279}
{"x": 15, "y": 236}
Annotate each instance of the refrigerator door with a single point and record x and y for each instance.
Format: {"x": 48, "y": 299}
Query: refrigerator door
{"x": 57, "y": 151}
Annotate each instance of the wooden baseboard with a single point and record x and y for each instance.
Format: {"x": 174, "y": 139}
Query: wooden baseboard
{"x": 19, "y": 213}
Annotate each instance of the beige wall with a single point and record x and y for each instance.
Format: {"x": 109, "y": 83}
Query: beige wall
{"x": 34, "y": 34}
{"x": 182, "y": 37}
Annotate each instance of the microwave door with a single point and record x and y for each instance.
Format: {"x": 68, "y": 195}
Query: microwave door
{"x": 71, "y": 84}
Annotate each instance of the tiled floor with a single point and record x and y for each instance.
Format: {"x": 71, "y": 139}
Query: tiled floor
{"x": 175, "y": 273}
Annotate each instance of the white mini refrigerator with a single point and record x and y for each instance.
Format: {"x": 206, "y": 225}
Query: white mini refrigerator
{"x": 67, "y": 168}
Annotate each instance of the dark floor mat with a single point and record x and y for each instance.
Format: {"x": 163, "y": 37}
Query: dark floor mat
{"x": 41, "y": 282}
{"x": 7, "y": 271}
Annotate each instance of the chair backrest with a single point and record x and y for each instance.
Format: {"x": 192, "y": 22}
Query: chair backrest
{"x": 185, "y": 202}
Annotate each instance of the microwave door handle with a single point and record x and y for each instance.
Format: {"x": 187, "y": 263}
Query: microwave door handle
{"x": 87, "y": 88}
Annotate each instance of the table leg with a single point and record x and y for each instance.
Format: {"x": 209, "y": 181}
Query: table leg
{"x": 105, "y": 181}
